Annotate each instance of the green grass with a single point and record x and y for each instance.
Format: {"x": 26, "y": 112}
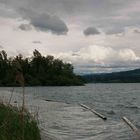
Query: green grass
{"x": 15, "y": 126}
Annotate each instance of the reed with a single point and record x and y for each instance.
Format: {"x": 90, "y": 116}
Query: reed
{"x": 11, "y": 127}
{"x": 21, "y": 81}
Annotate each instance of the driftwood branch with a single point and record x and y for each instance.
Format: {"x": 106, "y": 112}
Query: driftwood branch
{"x": 93, "y": 111}
{"x": 132, "y": 126}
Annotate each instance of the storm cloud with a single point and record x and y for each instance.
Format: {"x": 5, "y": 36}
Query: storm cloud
{"x": 64, "y": 26}
{"x": 37, "y": 42}
{"x": 46, "y": 22}
{"x": 105, "y": 14}
{"x": 25, "y": 27}
{"x": 91, "y": 31}
{"x": 137, "y": 31}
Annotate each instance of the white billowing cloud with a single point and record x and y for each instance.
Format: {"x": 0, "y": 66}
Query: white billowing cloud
{"x": 115, "y": 31}
{"x": 1, "y": 47}
{"x": 128, "y": 55}
{"x": 100, "y": 54}
{"x": 96, "y": 57}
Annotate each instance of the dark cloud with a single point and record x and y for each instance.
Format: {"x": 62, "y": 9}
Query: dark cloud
{"x": 75, "y": 54}
{"x": 92, "y": 7}
{"x": 39, "y": 17}
{"x": 91, "y": 31}
{"x": 37, "y": 42}
{"x": 25, "y": 27}
{"x": 46, "y": 22}
{"x": 103, "y": 14}
{"x": 137, "y": 31}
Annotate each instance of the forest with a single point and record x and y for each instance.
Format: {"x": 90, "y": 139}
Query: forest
{"x": 131, "y": 76}
{"x": 37, "y": 70}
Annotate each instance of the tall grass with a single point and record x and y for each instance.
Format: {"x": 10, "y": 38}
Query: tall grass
{"x": 11, "y": 124}
{"x": 17, "y": 123}
{"x": 21, "y": 81}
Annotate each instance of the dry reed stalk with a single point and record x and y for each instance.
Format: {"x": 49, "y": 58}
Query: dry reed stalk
{"x": 11, "y": 96}
{"x": 21, "y": 81}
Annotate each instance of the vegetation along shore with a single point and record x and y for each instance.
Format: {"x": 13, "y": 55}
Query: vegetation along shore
{"x": 37, "y": 70}
{"x": 17, "y": 125}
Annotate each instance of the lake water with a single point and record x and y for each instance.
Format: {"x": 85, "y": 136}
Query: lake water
{"x": 62, "y": 118}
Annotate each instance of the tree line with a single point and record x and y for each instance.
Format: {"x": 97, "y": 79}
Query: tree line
{"x": 131, "y": 76}
{"x": 37, "y": 70}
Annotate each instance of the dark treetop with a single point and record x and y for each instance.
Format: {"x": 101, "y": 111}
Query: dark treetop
{"x": 37, "y": 70}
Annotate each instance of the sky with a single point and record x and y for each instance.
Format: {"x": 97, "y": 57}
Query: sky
{"x": 95, "y": 36}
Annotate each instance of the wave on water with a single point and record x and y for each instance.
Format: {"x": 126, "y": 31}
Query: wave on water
{"x": 66, "y": 120}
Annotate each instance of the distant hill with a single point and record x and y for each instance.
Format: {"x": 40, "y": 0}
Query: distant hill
{"x": 132, "y": 76}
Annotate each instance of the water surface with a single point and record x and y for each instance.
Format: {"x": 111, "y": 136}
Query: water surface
{"x": 64, "y": 119}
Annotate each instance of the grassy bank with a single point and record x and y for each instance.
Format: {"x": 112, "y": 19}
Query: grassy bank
{"x": 16, "y": 126}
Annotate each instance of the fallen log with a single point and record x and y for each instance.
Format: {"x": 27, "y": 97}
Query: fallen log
{"x": 132, "y": 126}
{"x": 93, "y": 111}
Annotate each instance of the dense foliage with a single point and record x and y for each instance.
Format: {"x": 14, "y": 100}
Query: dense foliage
{"x": 38, "y": 70}
{"x": 132, "y": 76}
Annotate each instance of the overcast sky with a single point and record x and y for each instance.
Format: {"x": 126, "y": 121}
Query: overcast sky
{"x": 93, "y": 35}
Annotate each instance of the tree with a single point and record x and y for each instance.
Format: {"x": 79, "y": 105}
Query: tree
{"x": 37, "y": 70}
